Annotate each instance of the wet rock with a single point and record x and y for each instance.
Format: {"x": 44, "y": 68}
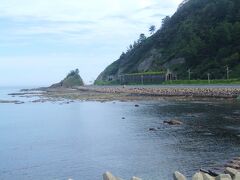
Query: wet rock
{"x": 6, "y": 101}
{"x": 224, "y": 177}
{"x": 197, "y": 176}
{"x": 237, "y": 158}
{"x": 135, "y": 178}
{"x": 123, "y": 118}
{"x": 233, "y": 165}
{"x": 136, "y": 105}
{"x": 178, "y": 176}
{"x": 152, "y": 129}
{"x": 173, "y": 122}
{"x": 19, "y": 102}
{"x": 109, "y": 176}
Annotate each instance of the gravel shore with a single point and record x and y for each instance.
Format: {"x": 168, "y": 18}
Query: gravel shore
{"x": 215, "y": 92}
{"x": 129, "y": 93}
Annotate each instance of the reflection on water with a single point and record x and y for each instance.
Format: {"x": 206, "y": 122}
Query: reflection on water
{"x": 82, "y": 140}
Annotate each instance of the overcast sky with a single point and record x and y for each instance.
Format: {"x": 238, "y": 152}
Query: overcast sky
{"x": 41, "y": 40}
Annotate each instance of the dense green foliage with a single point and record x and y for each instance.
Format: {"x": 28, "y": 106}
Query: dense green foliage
{"x": 205, "y": 33}
{"x": 72, "y": 79}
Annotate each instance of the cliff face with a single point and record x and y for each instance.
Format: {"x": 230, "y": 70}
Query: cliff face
{"x": 203, "y": 35}
{"x": 71, "y": 80}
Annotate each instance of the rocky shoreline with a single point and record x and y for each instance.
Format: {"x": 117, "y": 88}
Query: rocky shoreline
{"x": 124, "y": 93}
{"x": 216, "y": 92}
{"x": 231, "y": 171}
{"x": 229, "y": 174}
{"x": 127, "y": 93}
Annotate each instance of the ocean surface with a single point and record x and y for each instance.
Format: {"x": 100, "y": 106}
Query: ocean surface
{"x": 82, "y": 140}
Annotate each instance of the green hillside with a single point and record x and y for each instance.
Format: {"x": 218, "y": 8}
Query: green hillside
{"x": 203, "y": 35}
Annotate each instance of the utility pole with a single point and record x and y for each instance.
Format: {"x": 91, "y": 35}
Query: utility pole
{"x": 227, "y": 69}
{"x": 208, "y": 74}
{"x": 142, "y": 79}
{"x": 189, "y": 74}
{"x": 120, "y": 79}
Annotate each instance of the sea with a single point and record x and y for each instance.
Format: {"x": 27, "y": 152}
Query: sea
{"x": 83, "y": 139}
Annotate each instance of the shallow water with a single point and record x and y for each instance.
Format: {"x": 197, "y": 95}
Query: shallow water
{"x": 81, "y": 140}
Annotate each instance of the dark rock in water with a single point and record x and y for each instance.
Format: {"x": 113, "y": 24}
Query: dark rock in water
{"x": 136, "y": 105}
{"x": 72, "y": 79}
{"x": 152, "y": 129}
{"x": 19, "y": 102}
{"x": 233, "y": 165}
{"x": 15, "y": 102}
{"x": 173, "y": 122}
{"x": 123, "y": 118}
{"x": 236, "y": 158}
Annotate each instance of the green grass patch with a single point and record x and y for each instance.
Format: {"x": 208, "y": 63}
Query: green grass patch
{"x": 106, "y": 83}
{"x": 146, "y": 73}
{"x": 204, "y": 82}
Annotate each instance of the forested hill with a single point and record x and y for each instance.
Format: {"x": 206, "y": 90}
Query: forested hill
{"x": 203, "y": 35}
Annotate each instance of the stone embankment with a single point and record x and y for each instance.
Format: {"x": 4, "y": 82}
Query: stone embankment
{"x": 230, "y": 174}
{"x": 221, "y": 92}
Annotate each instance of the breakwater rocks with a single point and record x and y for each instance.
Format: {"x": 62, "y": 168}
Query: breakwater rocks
{"x": 221, "y": 92}
{"x": 230, "y": 174}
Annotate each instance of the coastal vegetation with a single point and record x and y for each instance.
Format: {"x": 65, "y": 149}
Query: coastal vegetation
{"x": 72, "y": 79}
{"x": 202, "y": 37}
{"x": 204, "y": 82}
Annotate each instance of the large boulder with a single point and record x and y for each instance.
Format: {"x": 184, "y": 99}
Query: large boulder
{"x": 224, "y": 177}
{"x": 207, "y": 176}
{"x": 178, "y": 176}
{"x": 198, "y": 176}
{"x": 235, "y": 174}
{"x": 109, "y": 176}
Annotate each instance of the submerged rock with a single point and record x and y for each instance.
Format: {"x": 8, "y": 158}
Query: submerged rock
{"x": 238, "y": 98}
{"x": 173, "y": 122}
{"x": 152, "y": 129}
{"x": 135, "y": 178}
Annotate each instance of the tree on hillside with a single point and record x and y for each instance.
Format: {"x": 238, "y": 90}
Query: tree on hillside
{"x": 165, "y": 21}
{"x": 152, "y": 29}
{"x": 142, "y": 38}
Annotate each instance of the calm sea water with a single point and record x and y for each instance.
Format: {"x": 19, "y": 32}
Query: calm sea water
{"x": 81, "y": 140}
